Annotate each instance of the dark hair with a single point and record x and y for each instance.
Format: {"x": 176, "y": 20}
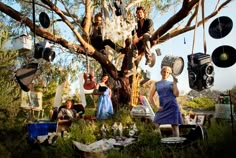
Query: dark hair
{"x": 103, "y": 75}
{"x": 98, "y": 15}
{"x": 70, "y": 100}
{"x": 107, "y": 82}
{"x": 140, "y": 8}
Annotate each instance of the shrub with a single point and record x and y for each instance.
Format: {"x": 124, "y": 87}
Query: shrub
{"x": 204, "y": 103}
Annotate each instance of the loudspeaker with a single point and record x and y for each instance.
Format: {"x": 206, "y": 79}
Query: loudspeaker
{"x": 220, "y": 27}
{"x": 224, "y": 56}
{"x": 44, "y": 20}
{"x": 25, "y": 75}
{"x": 175, "y": 63}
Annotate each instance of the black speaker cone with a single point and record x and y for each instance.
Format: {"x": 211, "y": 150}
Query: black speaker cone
{"x": 220, "y": 27}
{"x": 224, "y": 56}
{"x": 44, "y": 19}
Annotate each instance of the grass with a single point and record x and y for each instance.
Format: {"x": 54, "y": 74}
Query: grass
{"x": 220, "y": 143}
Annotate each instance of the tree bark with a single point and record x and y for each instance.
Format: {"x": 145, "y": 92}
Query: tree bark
{"x": 163, "y": 33}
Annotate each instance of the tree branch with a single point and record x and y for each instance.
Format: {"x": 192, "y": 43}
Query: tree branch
{"x": 183, "y": 12}
{"x": 133, "y": 3}
{"x": 47, "y": 8}
{"x": 74, "y": 20}
{"x": 38, "y": 30}
{"x": 161, "y": 32}
{"x": 187, "y": 28}
{"x": 192, "y": 17}
{"x": 91, "y": 50}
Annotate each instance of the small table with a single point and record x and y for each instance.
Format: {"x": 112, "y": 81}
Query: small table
{"x": 31, "y": 111}
{"x": 173, "y": 140}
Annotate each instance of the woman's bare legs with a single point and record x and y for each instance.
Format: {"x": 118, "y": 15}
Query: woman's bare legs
{"x": 175, "y": 130}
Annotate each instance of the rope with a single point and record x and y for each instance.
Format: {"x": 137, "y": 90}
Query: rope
{"x": 203, "y": 24}
{"x": 196, "y": 24}
{"x": 33, "y": 7}
{"x": 201, "y": 2}
{"x": 53, "y": 27}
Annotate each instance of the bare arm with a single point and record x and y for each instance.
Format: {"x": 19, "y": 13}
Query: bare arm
{"x": 175, "y": 88}
{"x": 96, "y": 92}
{"x": 110, "y": 92}
{"x": 151, "y": 95}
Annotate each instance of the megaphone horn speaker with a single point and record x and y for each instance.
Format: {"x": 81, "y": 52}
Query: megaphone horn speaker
{"x": 224, "y": 56}
{"x": 25, "y": 75}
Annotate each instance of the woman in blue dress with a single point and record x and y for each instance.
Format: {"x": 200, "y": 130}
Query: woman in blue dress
{"x": 104, "y": 107}
{"x": 168, "y": 109}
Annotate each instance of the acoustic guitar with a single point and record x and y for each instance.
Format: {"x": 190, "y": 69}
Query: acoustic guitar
{"x": 89, "y": 82}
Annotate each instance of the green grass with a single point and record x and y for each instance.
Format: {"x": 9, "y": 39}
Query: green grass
{"x": 220, "y": 143}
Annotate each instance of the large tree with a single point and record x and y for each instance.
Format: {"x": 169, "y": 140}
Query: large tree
{"x": 62, "y": 14}
{"x": 10, "y": 91}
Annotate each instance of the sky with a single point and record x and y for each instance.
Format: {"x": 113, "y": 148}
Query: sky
{"x": 224, "y": 77}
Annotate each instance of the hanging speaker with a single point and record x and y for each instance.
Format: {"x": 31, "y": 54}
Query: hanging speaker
{"x": 25, "y": 75}
{"x": 175, "y": 63}
{"x": 224, "y": 56}
{"x": 220, "y": 27}
{"x": 44, "y": 19}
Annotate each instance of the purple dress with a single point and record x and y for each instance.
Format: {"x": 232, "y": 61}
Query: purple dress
{"x": 170, "y": 114}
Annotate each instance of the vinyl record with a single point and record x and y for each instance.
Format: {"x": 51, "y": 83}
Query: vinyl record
{"x": 220, "y": 27}
{"x": 224, "y": 56}
{"x": 44, "y": 20}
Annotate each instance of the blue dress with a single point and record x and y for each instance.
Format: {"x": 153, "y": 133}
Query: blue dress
{"x": 105, "y": 107}
{"x": 170, "y": 114}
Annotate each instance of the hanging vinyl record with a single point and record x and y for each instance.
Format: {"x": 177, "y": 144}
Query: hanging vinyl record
{"x": 224, "y": 56}
{"x": 44, "y": 19}
{"x": 220, "y": 27}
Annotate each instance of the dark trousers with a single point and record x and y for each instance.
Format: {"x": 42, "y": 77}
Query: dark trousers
{"x": 100, "y": 44}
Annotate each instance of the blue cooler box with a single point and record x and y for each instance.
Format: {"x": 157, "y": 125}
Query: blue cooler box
{"x": 39, "y": 129}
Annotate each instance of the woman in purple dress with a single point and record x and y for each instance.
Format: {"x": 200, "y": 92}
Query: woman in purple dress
{"x": 104, "y": 107}
{"x": 168, "y": 109}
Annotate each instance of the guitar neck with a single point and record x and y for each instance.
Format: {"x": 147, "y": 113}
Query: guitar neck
{"x": 87, "y": 62}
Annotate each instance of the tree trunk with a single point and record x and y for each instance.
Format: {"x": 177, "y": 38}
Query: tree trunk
{"x": 121, "y": 94}
{"x": 162, "y": 34}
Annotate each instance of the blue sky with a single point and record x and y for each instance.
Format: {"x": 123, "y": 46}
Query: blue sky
{"x": 224, "y": 77}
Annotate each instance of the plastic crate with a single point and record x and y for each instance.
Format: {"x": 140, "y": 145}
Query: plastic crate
{"x": 39, "y": 129}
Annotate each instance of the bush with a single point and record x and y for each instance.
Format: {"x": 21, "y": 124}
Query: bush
{"x": 203, "y": 103}
{"x": 220, "y": 143}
